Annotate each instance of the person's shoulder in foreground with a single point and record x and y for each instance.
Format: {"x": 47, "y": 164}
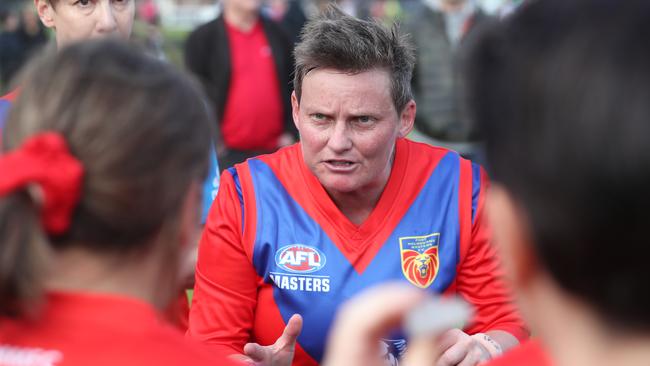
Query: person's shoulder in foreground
{"x": 98, "y": 329}
{"x": 86, "y": 270}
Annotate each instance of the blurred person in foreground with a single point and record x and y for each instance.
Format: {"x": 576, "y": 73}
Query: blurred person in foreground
{"x": 561, "y": 91}
{"x": 92, "y": 235}
{"x": 78, "y": 20}
{"x": 562, "y": 88}
{"x": 353, "y": 204}
{"x": 243, "y": 60}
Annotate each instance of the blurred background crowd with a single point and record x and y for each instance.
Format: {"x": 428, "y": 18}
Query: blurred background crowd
{"x": 438, "y": 28}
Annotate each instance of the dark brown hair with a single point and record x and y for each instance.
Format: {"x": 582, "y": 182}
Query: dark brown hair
{"x": 339, "y": 41}
{"x": 562, "y": 91}
{"x": 141, "y": 131}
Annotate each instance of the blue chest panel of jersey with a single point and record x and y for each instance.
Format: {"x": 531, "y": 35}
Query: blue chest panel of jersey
{"x": 316, "y": 277}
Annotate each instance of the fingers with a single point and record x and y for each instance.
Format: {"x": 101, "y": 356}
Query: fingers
{"x": 473, "y": 358}
{"x": 450, "y": 338}
{"x": 287, "y": 341}
{"x": 461, "y": 350}
{"x": 449, "y": 349}
{"x": 281, "y": 352}
{"x": 293, "y": 328}
{"x": 242, "y": 359}
{"x": 256, "y": 353}
{"x": 454, "y": 354}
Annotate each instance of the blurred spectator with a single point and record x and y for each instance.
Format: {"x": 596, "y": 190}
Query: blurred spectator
{"x": 148, "y": 12}
{"x": 509, "y": 6}
{"x": 291, "y": 14}
{"x": 9, "y": 46}
{"x": 151, "y": 37}
{"x": 244, "y": 61}
{"x": 351, "y": 7}
{"x": 22, "y": 34}
{"x": 440, "y": 29}
{"x": 31, "y": 31}
{"x": 388, "y": 11}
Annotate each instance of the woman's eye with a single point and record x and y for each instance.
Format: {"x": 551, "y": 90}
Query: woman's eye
{"x": 82, "y": 3}
{"x": 364, "y": 119}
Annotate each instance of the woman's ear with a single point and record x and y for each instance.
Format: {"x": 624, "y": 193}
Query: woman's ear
{"x": 45, "y": 12}
{"x": 407, "y": 118}
{"x": 295, "y": 109}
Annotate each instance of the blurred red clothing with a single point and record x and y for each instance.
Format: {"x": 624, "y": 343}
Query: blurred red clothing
{"x": 98, "y": 329}
{"x": 253, "y": 113}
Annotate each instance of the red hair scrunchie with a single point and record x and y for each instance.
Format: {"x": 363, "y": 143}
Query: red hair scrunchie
{"x": 45, "y": 160}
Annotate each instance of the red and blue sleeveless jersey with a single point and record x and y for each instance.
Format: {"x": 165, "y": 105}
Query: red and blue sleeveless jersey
{"x": 275, "y": 244}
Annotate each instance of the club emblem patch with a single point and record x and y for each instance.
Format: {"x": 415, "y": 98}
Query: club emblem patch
{"x": 420, "y": 258}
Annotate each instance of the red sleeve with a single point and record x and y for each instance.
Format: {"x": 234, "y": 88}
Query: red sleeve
{"x": 480, "y": 278}
{"x": 225, "y": 292}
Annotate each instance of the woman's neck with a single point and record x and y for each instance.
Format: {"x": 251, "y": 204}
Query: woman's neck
{"x": 356, "y": 206}
{"x": 80, "y": 270}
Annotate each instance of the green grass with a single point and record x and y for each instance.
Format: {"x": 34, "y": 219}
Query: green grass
{"x": 173, "y": 41}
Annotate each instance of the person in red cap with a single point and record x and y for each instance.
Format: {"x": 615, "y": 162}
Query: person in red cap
{"x": 99, "y": 201}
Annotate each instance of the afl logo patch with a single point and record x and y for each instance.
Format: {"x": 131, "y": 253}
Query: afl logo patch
{"x": 298, "y": 258}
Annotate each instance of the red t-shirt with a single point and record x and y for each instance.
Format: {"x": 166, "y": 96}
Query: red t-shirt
{"x": 530, "y": 353}
{"x": 253, "y": 115}
{"x": 97, "y": 329}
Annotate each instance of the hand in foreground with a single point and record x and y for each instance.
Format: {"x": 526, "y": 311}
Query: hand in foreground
{"x": 459, "y": 348}
{"x": 279, "y": 353}
{"x": 360, "y": 323}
